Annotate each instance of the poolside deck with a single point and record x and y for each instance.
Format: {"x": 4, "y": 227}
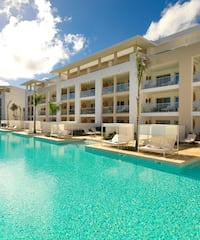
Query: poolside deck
{"x": 187, "y": 154}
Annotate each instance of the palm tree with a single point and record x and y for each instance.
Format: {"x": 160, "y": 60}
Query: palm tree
{"x": 14, "y": 107}
{"x": 53, "y": 108}
{"x": 141, "y": 63}
{"x": 20, "y": 112}
{"x": 8, "y": 104}
{"x": 36, "y": 100}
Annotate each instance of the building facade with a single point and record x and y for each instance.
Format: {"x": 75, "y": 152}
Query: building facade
{"x": 102, "y": 88}
{"x": 12, "y": 103}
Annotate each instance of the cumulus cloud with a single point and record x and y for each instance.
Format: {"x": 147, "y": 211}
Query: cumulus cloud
{"x": 3, "y": 83}
{"x": 30, "y": 40}
{"x": 175, "y": 18}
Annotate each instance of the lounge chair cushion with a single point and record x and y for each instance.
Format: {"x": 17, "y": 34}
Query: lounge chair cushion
{"x": 155, "y": 142}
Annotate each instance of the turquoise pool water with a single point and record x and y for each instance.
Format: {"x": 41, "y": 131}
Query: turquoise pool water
{"x": 50, "y": 191}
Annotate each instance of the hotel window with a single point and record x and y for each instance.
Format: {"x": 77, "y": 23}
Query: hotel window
{"x": 162, "y": 103}
{"x": 163, "y": 80}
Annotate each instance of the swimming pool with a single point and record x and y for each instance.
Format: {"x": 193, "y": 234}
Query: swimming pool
{"x": 53, "y": 191}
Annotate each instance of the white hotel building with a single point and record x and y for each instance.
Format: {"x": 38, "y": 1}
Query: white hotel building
{"x": 102, "y": 88}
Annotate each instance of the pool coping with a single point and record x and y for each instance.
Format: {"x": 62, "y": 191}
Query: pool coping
{"x": 151, "y": 157}
{"x": 177, "y": 159}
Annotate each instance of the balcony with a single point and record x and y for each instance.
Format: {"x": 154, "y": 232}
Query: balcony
{"x": 72, "y": 111}
{"x": 63, "y": 96}
{"x": 71, "y": 95}
{"x": 43, "y": 100}
{"x": 107, "y": 90}
{"x": 121, "y": 87}
{"x": 160, "y": 107}
{"x": 64, "y": 112}
{"x": 161, "y": 82}
{"x": 42, "y": 113}
{"x": 88, "y": 93}
{"x": 107, "y": 109}
{"x": 53, "y": 99}
{"x": 196, "y": 77}
{"x": 122, "y": 109}
{"x": 88, "y": 110}
{"x": 196, "y": 106}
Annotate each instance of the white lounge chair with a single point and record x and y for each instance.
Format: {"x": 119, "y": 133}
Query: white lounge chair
{"x": 190, "y": 138}
{"x": 115, "y": 141}
{"x": 89, "y": 132}
{"x": 159, "y": 144}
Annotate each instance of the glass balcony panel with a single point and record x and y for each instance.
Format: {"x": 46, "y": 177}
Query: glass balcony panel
{"x": 64, "y": 97}
{"x": 71, "y": 111}
{"x": 196, "y": 106}
{"x": 42, "y": 113}
{"x": 53, "y": 99}
{"x": 89, "y": 110}
{"x": 108, "y": 109}
{"x": 161, "y": 82}
{"x": 122, "y": 109}
{"x": 88, "y": 93}
{"x": 107, "y": 90}
{"x": 160, "y": 107}
{"x": 121, "y": 87}
{"x": 43, "y": 100}
{"x": 196, "y": 77}
{"x": 63, "y": 112}
{"x": 71, "y": 95}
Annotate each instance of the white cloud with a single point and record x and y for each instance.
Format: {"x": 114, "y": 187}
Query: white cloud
{"x": 175, "y": 18}
{"x": 30, "y": 41}
{"x": 3, "y": 83}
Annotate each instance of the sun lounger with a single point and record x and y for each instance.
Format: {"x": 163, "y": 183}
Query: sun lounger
{"x": 159, "y": 144}
{"x": 190, "y": 138}
{"x": 115, "y": 141}
{"x": 89, "y": 132}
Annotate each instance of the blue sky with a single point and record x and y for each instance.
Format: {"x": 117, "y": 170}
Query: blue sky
{"x": 37, "y": 36}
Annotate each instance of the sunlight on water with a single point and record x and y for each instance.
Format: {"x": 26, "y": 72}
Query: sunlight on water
{"x": 50, "y": 191}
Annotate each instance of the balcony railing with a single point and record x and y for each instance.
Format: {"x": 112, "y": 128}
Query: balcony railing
{"x": 108, "y": 109}
{"x": 121, "y": 87}
{"x": 53, "y": 99}
{"x": 122, "y": 109}
{"x": 196, "y": 106}
{"x": 88, "y": 93}
{"x": 89, "y": 110}
{"x": 63, "y": 96}
{"x": 71, "y": 95}
{"x": 160, "y": 107}
{"x": 43, "y": 100}
{"x": 161, "y": 82}
{"x": 63, "y": 112}
{"x": 196, "y": 77}
{"x": 71, "y": 111}
{"x": 42, "y": 113}
{"x": 107, "y": 90}
{"x": 68, "y": 96}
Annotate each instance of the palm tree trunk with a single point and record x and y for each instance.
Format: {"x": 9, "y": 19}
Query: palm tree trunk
{"x": 137, "y": 120}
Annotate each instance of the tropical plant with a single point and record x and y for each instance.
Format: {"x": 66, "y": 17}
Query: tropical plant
{"x": 8, "y": 105}
{"x": 14, "y": 108}
{"x": 53, "y": 108}
{"x": 20, "y": 112}
{"x": 36, "y": 100}
{"x": 141, "y": 64}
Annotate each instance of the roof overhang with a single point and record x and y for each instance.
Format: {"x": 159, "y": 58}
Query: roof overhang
{"x": 140, "y": 41}
{"x": 32, "y": 83}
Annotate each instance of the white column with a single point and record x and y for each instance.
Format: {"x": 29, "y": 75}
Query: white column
{"x": 77, "y": 102}
{"x": 186, "y": 92}
{"x": 58, "y": 99}
{"x": 133, "y": 86}
{"x": 98, "y": 100}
